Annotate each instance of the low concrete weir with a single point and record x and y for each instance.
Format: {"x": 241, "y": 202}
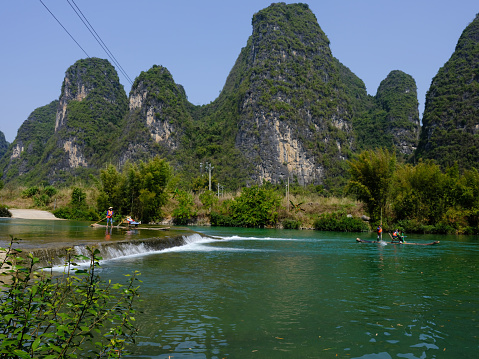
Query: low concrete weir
{"x": 55, "y": 256}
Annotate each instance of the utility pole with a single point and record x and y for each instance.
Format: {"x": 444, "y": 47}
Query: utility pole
{"x": 287, "y": 193}
{"x": 209, "y": 168}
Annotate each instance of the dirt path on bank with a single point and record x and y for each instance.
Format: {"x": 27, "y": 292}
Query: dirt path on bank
{"x": 31, "y": 214}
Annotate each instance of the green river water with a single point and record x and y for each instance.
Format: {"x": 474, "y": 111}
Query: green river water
{"x": 295, "y": 294}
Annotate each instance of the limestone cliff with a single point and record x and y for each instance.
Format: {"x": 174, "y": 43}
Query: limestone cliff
{"x": 3, "y": 144}
{"x": 295, "y": 118}
{"x": 158, "y": 112}
{"x": 397, "y": 96}
{"x": 79, "y": 139}
{"x": 450, "y": 130}
{"x": 392, "y": 119}
{"x": 91, "y": 106}
{"x": 27, "y": 149}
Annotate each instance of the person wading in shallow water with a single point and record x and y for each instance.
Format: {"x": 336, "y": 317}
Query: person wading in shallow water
{"x": 109, "y": 216}
{"x": 379, "y": 231}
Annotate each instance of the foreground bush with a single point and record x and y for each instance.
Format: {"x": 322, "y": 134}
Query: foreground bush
{"x": 67, "y": 316}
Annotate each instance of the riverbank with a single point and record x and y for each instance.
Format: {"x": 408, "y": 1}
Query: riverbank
{"x": 31, "y": 214}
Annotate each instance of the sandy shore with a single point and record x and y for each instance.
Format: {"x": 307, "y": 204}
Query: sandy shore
{"x": 31, "y": 214}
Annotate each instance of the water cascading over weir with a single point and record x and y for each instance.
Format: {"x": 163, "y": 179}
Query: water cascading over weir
{"x": 117, "y": 249}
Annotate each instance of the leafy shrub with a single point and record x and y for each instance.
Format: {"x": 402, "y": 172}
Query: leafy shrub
{"x": 222, "y": 220}
{"x": 185, "y": 210}
{"x": 4, "y": 212}
{"x": 41, "y": 200}
{"x": 50, "y": 191}
{"x": 30, "y": 192}
{"x": 339, "y": 222}
{"x": 256, "y": 207}
{"x": 42, "y": 197}
{"x": 208, "y": 199}
{"x": 443, "y": 228}
{"x": 46, "y": 316}
{"x": 77, "y": 208}
{"x": 291, "y": 224}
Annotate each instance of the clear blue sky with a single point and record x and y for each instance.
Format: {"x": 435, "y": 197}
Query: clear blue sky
{"x": 199, "y": 41}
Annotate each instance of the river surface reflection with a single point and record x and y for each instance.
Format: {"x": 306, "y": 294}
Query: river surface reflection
{"x": 305, "y": 294}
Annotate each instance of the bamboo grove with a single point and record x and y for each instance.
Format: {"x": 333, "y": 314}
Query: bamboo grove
{"x": 421, "y": 197}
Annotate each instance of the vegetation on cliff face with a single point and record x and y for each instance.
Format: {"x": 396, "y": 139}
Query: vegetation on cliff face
{"x": 393, "y": 119}
{"x": 450, "y": 130}
{"x": 159, "y": 112}
{"x": 25, "y": 153}
{"x": 88, "y": 115}
{"x": 289, "y": 87}
{"x": 95, "y": 106}
{"x": 3, "y": 144}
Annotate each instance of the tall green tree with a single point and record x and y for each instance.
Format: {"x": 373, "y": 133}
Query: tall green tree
{"x": 371, "y": 173}
{"x": 154, "y": 177}
{"x": 112, "y": 190}
{"x": 421, "y": 192}
{"x": 139, "y": 190}
{"x": 256, "y": 207}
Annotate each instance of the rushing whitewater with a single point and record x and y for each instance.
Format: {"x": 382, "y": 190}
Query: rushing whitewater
{"x": 122, "y": 249}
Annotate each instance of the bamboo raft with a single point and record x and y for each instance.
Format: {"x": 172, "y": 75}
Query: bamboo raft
{"x": 359, "y": 240}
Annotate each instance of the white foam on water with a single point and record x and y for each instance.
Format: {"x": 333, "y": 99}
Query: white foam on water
{"x": 131, "y": 250}
{"x": 192, "y": 243}
{"x": 239, "y": 238}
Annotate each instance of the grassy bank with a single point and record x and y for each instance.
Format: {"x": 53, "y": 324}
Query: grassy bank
{"x": 298, "y": 210}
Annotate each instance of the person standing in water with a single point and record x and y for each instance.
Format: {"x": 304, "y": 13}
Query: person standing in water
{"x": 379, "y": 231}
{"x": 109, "y": 216}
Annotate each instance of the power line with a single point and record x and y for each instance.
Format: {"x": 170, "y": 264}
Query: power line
{"x": 94, "y": 34}
{"x": 98, "y": 39}
{"x": 64, "y": 29}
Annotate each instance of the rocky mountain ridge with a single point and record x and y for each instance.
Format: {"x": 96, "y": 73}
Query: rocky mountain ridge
{"x": 289, "y": 110}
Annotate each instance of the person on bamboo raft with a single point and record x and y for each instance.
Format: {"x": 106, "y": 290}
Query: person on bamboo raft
{"x": 397, "y": 236}
{"x": 131, "y": 221}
